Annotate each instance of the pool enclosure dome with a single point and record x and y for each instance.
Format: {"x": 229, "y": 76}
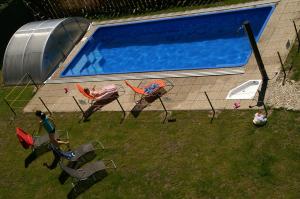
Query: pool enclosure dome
{"x": 38, "y": 47}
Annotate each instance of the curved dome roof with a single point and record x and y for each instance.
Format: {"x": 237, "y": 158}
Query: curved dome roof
{"x": 38, "y": 47}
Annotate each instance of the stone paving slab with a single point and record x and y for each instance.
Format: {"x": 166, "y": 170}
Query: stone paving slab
{"x": 188, "y": 93}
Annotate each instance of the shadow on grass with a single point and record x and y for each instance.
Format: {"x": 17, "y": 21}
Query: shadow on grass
{"x": 63, "y": 177}
{"x": 35, "y": 154}
{"x": 146, "y": 101}
{"x": 82, "y": 186}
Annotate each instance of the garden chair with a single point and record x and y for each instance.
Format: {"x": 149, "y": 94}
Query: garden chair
{"x": 91, "y": 171}
{"x": 83, "y": 154}
{"x": 84, "y": 149}
{"x": 38, "y": 144}
{"x": 91, "y": 99}
{"x": 98, "y": 103}
{"x": 35, "y": 142}
{"x": 153, "y": 88}
{"x": 147, "y": 93}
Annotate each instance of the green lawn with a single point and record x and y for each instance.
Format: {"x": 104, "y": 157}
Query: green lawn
{"x": 189, "y": 158}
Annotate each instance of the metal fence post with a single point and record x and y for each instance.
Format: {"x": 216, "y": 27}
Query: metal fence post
{"x": 124, "y": 113}
{"x": 32, "y": 81}
{"x": 282, "y": 66}
{"x": 164, "y": 109}
{"x": 78, "y": 105}
{"x": 214, "y": 112}
{"x": 297, "y": 35}
{"x": 45, "y": 105}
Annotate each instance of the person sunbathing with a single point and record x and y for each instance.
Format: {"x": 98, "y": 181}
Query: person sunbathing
{"x": 102, "y": 97}
{"x": 99, "y": 94}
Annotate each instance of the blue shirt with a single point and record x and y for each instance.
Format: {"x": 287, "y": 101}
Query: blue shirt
{"x": 48, "y": 125}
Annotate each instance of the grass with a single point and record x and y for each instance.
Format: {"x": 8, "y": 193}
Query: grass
{"x": 292, "y": 64}
{"x": 189, "y": 158}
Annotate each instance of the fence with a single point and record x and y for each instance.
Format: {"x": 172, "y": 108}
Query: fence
{"x": 20, "y": 94}
{"x": 104, "y": 8}
{"x": 287, "y": 66}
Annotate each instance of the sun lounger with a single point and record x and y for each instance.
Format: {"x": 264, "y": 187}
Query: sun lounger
{"x": 83, "y": 154}
{"x": 148, "y": 89}
{"x": 154, "y": 88}
{"x": 89, "y": 171}
{"x": 34, "y": 142}
{"x": 38, "y": 144}
{"x": 110, "y": 93}
{"x": 81, "y": 151}
{"x": 88, "y": 96}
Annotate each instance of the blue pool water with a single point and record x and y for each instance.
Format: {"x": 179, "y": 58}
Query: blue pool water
{"x": 213, "y": 40}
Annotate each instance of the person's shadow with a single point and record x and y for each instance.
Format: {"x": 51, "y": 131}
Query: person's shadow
{"x": 36, "y": 153}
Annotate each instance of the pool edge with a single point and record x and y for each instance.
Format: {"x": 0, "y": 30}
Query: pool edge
{"x": 150, "y": 75}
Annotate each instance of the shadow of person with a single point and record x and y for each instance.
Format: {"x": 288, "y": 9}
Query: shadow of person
{"x": 35, "y": 154}
{"x": 84, "y": 185}
{"x": 260, "y": 125}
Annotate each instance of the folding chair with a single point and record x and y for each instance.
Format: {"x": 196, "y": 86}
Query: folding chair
{"x": 89, "y": 172}
{"x": 35, "y": 142}
{"x": 81, "y": 151}
{"x": 38, "y": 144}
{"x": 156, "y": 87}
{"x": 91, "y": 99}
{"x": 148, "y": 93}
{"x": 97, "y": 103}
{"x": 83, "y": 154}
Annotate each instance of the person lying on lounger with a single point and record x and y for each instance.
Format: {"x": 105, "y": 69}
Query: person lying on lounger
{"x": 102, "y": 97}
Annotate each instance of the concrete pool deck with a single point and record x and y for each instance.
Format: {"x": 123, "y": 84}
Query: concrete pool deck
{"x": 188, "y": 93}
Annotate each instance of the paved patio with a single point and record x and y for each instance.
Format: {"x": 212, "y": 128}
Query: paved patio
{"x": 188, "y": 93}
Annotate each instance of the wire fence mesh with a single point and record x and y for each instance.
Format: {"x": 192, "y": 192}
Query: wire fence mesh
{"x": 19, "y": 95}
{"x": 105, "y": 8}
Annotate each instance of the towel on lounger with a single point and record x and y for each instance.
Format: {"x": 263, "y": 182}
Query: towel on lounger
{"x": 151, "y": 88}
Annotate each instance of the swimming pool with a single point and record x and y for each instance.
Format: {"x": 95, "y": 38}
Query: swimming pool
{"x": 202, "y": 41}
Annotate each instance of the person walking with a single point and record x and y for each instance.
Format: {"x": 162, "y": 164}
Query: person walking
{"x": 49, "y": 126}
